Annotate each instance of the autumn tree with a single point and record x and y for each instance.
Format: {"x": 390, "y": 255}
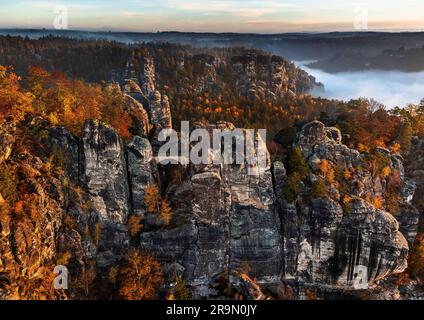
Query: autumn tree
{"x": 152, "y": 198}
{"x": 181, "y": 290}
{"x": 14, "y": 102}
{"x": 134, "y": 225}
{"x": 404, "y": 138}
{"x": 297, "y": 163}
{"x": 140, "y": 277}
{"x": 166, "y": 212}
{"x": 84, "y": 282}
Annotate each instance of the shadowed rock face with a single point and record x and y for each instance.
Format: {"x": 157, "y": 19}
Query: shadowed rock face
{"x": 325, "y": 243}
{"x": 224, "y": 218}
{"x": 142, "y": 172}
{"x": 262, "y": 77}
{"x": 228, "y": 218}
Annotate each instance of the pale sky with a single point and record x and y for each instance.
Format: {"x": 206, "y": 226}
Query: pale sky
{"x": 268, "y": 16}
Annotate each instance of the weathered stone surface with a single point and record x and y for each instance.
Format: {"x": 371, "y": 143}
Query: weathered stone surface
{"x": 324, "y": 243}
{"x": 105, "y": 172}
{"x": 148, "y": 76}
{"x": 142, "y": 171}
{"x": 66, "y": 149}
{"x": 232, "y": 220}
{"x": 160, "y": 111}
{"x": 260, "y": 76}
{"x": 142, "y": 115}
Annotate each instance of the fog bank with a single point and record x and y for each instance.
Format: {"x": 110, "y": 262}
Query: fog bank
{"x": 392, "y": 88}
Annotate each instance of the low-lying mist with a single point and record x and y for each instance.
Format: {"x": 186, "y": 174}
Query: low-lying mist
{"x": 392, "y": 88}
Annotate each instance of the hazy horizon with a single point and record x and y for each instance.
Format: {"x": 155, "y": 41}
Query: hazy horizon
{"x": 218, "y": 16}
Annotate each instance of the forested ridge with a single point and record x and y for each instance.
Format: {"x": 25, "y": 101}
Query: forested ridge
{"x": 103, "y": 99}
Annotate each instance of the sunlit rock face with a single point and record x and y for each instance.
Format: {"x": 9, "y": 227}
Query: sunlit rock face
{"x": 105, "y": 171}
{"x": 134, "y": 105}
{"x": 105, "y": 176}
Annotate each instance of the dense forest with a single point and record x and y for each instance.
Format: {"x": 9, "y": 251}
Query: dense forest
{"x": 63, "y": 83}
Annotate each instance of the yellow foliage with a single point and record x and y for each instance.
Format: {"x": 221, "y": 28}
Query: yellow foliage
{"x": 386, "y": 171}
{"x": 331, "y": 178}
{"x": 324, "y": 167}
{"x": 377, "y": 202}
{"x": 347, "y": 199}
{"x": 395, "y": 148}
{"x": 140, "y": 277}
{"x": 362, "y": 148}
{"x": 170, "y": 297}
{"x": 64, "y": 258}
{"x": 166, "y": 213}
{"x": 134, "y": 225}
{"x": 152, "y": 198}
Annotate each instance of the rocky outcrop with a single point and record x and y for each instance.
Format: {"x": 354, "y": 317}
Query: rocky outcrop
{"x": 142, "y": 171}
{"x": 133, "y": 105}
{"x": 327, "y": 241}
{"x": 224, "y": 219}
{"x": 148, "y": 76}
{"x": 415, "y": 174}
{"x": 105, "y": 177}
{"x": 105, "y": 172}
{"x": 261, "y": 77}
{"x": 141, "y": 95}
{"x": 160, "y": 110}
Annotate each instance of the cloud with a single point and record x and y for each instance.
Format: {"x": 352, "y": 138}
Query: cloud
{"x": 132, "y": 14}
{"x": 235, "y": 8}
{"x": 50, "y": 6}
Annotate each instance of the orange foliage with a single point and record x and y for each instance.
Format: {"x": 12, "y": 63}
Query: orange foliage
{"x": 71, "y": 103}
{"x": 377, "y": 202}
{"x": 386, "y": 171}
{"x": 14, "y": 102}
{"x": 134, "y": 225}
{"x": 152, "y": 198}
{"x": 166, "y": 213}
{"x": 140, "y": 277}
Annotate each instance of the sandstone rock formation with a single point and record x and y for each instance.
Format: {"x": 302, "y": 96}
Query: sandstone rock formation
{"x": 325, "y": 241}
{"x": 262, "y": 76}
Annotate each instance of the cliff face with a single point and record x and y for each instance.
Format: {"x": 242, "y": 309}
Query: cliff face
{"x": 321, "y": 225}
{"x": 325, "y": 239}
{"x": 224, "y": 218}
{"x": 269, "y": 77}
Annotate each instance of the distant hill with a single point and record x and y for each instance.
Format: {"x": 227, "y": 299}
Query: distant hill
{"x": 295, "y": 46}
{"x": 407, "y": 60}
